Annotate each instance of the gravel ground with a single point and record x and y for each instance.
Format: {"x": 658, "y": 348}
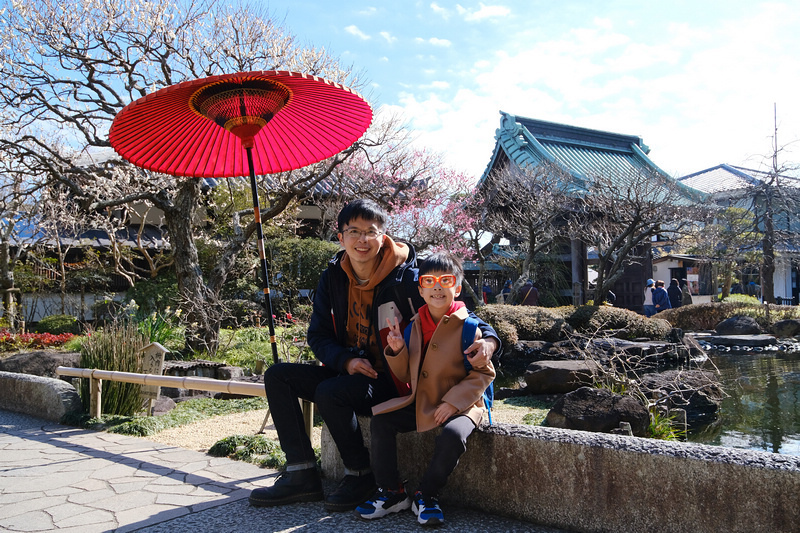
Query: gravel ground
{"x": 200, "y": 436}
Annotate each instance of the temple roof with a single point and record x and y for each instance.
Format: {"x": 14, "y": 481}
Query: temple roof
{"x": 582, "y": 152}
{"x": 728, "y": 178}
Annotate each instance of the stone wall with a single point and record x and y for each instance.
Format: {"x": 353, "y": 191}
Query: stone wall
{"x": 592, "y": 482}
{"x": 41, "y": 397}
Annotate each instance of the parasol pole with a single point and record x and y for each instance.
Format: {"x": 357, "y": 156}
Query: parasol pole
{"x": 248, "y": 147}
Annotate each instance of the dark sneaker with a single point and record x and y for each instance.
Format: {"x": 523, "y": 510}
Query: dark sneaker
{"x": 290, "y": 487}
{"x": 351, "y": 491}
{"x": 427, "y": 510}
{"x": 382, "y": 503}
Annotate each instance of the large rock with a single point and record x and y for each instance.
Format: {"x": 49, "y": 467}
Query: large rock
{"x": 697, "y": 391}
{"x": 558, "y": 377}
{"x": 39, "y": 363}
{"x": 598, "y": 410}
{"x": 786, "y": 328}
{"x": 738, "y": 325}
{"x": 741, "y": 340}
{"x": 38, "y": 396}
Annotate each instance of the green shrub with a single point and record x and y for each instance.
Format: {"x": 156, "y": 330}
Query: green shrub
{"x": 591, "y": 319}
{"x": 514, "y": 322}
{"x": 163, "y": 328}
{"x": 58, "y": 324}
{"x": 742, "y": 299}
{"x": 706, "y": 316}
{"x": 116, "y": 347}
{"x": 506, "y": 332}
{"x": 155, "y": 294}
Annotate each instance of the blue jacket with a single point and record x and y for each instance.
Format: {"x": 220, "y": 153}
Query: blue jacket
{"x": 661, "y": 299}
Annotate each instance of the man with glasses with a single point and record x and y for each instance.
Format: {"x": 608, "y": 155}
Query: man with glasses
{"x": 367, "y": 286}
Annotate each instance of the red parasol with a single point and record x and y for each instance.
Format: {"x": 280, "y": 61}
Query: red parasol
{"x": 238, "y": 124}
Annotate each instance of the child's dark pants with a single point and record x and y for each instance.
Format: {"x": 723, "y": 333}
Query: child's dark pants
{"x": 450, "y": 445}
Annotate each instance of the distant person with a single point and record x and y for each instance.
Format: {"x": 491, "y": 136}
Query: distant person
{"x": 660, "y": 297}
{"x": 529, "y": 294}
{"x": 444, "y": 394}
{"x": 675, "y": 294}
{"x": 686, "y": 293}
{"x": 487, "y": 293}
{"x": 753, "y": 289}
{"x": 505, "y": 293}
{"x": 649, "y": 308}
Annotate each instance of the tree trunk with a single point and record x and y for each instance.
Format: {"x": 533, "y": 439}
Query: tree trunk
{"x": 727, "y": 280}
{"x": 7, "y": 283}
{"x": 768, "y": 244}
{"x": 199, "y": 304}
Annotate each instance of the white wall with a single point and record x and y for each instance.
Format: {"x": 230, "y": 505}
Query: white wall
{"x": 39, "y": 305}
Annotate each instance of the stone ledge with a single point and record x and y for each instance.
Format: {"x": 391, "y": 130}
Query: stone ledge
{"x": 584, "y": 481}
{"x": 46, "y": 398}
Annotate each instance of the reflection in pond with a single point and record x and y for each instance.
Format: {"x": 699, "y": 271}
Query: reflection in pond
{"x": 763, "y": 410}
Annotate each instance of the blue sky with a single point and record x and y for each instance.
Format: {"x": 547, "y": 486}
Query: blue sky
{"x": 696, "y": 80}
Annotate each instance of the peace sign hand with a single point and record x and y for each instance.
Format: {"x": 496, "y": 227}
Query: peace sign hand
{"x": 395, "y": 337}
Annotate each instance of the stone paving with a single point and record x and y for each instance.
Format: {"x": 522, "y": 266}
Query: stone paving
{"x": 59, "y": 478}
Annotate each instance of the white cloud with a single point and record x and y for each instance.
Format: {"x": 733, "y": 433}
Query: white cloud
{"x": 439, "y": 10}
{"x": 699, "y": 94}
{"x": 434, "y": 41}
{"x": 484, "y": 12}
{"x": 439, "y": 42}
{"x": 436, "y": 85}
{"x": 388, "y": 36}
{"x": 353, "y": 30}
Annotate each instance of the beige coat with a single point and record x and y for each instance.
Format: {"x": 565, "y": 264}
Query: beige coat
{"x": 442, "y": 377}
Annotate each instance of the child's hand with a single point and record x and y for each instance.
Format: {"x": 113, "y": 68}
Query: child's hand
{"x": 443, "y": 413}
{"x": 395, "y": 337}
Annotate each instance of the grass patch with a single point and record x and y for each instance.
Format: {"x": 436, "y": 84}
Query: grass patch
{"x": 184, "y": 413}
{"x": 255, "y": 449}
{"x": 662, "y": 427}
{"x": 245, "y": 347}
{"x": 526, "y": 410}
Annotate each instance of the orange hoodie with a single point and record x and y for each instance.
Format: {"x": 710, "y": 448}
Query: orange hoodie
{"x": 359, "y": 297}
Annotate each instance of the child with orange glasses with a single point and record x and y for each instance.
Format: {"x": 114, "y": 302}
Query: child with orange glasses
{"x": 443, "y": 393}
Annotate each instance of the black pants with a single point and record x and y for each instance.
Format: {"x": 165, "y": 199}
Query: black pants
{"x": 338, "y": 398}
{"x": 450, "y": 446}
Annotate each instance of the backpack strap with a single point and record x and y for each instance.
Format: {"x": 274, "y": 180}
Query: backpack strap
{"x": 407, "y": 335}
{"x": 467, "y": 338}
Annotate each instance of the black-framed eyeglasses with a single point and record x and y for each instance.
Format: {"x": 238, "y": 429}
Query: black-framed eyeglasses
{"x": 370, "y": 234}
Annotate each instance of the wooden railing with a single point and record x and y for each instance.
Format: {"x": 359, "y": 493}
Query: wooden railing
{"x": 96, "y": 378}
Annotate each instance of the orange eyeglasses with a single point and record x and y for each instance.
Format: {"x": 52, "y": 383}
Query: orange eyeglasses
{"x": 446, "y": 281}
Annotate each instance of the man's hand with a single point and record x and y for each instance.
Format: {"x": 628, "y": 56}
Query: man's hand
{"x": 359, "y": 365}
{"x": 443, "y": 413}
{"x": 480, "y": 352}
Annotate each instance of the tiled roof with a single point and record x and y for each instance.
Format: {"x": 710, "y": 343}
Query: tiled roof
{"x": 724, "y": 178}
{"x": 582, "y": 152}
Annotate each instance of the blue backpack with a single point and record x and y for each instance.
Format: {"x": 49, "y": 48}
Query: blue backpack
{"x": 467, "y": 338}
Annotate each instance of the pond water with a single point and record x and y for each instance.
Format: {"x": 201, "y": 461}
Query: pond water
{"x": 763, "y": 410}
